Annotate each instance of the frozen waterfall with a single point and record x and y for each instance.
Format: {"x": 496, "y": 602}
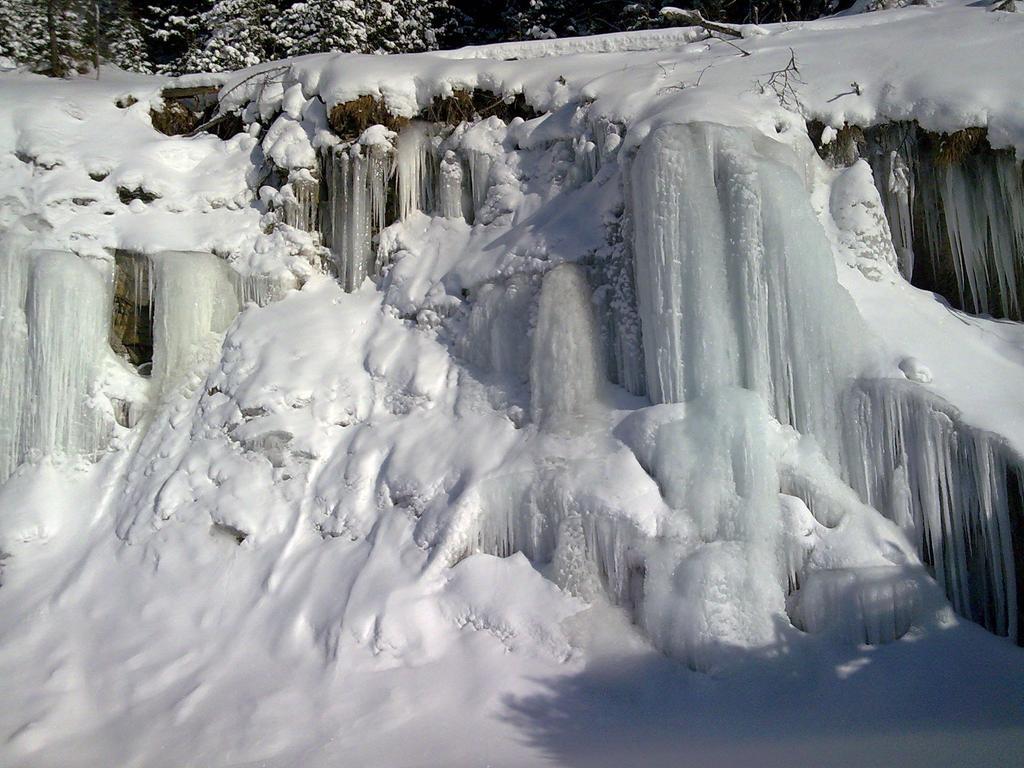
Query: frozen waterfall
{"x": 565, "y": 369}
{"x": 957, "y": 221}
{"x": 54, "y": 319}
{"x": 195, "y": 298}
{"x": 736, "y": 283}
{"x": 55, "y": 327}
{"x": 957, "y": 489}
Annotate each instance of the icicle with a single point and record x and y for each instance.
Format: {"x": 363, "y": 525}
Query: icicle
{"x": 910, "y": 456}
{"x": 414, "y": 163}
{"x": 358, "y": 192}
{"x": 196, "y": 296}
{"x": 480, "y": 164}
{"x": 585, "y": 161}
{"x": 965, "y": 214}
{"x": 497, "y": 338}
{"x": 565, "y": 369}
{"x": 735, "y": 279}
{"x": 302, "y": 201}
{"x": 54, "y": 327}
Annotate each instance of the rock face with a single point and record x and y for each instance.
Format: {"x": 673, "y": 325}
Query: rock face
{"x": 131, "y": 326}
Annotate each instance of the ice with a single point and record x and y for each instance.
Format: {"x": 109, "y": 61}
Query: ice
{"x": 957, "y": 220}
{"x": 195, "y": 298}
{"x": 352, "y": 481}
{"x": 866, "y": 605}
{"x": 54, "y": 325}
{"x": 414, "y": 165}
{"x": 357, "y": 179}
{"x": 451, "y": 188}
{"x": 957, "y": 489}
{"x": 301, "y": 201}
{"x": 736, "y": 283}
{"x": 616, "y": 300}
{"x": 565, "y": 366}
{"x": 498, "y": 334}
{"x": 718, "y": 474}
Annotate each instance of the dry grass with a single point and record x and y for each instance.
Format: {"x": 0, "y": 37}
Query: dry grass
{"x": 954, "y": 148}
{"x": 463, "y": 106}
{"x": 351, "y": 118}
{"x": 174, "y": 119}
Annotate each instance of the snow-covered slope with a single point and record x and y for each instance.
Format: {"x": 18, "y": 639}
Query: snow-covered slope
{"x": 600, "y": 428}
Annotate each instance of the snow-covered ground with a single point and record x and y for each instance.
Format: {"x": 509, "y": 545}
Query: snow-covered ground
{"x": 515, "y": 500}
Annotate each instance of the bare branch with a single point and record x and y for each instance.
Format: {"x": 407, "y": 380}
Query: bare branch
{"x": 695, "y": 19}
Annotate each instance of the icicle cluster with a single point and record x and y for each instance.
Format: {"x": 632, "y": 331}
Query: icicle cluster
{"x": 195, "y": 298}
{"x": 357, "y": 179}
{"x": 736, "y": 284}
{"x": 414, "y": 163}
{"x": 53, "y": 335}
{"x": 302, "y": 201}
{"x": 370, "y": 183}
{"x": 957, "y": 221}
{"x": 956, "y": 488}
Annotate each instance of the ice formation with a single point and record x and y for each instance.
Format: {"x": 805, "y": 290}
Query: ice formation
{"x": 616, "y": 350}
{"x": 961, "y": 218}
{"x": 956, "y": 489}
{"x": 736, "y": 285}
{"x": 55, "y": 316}
{"x": 195, "y": 298}
{"x": 565, "y": 367}
{"x": 357, "y": 178}
{"x": 414, "y": 165}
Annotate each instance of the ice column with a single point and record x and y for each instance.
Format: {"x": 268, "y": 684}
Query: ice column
{"x": 54, "y": 321}
{"x": 357, "y": 179}
{"x": 957, "y": 488}
{"x": 450, "y": 187}
{"x": 718, "y": 474}
{"x": 565, "y": 368}
{"x": 736, "y": 283}
{"x": 414, "y": 163}
{"x": 195, "y": 298}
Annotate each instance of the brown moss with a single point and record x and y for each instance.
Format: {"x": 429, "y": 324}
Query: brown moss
{"x": 351, "y": 118}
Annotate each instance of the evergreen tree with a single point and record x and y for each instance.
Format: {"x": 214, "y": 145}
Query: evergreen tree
{"x": 360, "y": 26}
{"x": 169, "y": 30}
{"x": 317, "y": 26}
{"x": 232, "y": 34}
{"x": 23, "y": 37}
{"x": 403, "y": 26}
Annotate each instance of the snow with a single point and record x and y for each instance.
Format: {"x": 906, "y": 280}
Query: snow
{"x": 609, "y": 436}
